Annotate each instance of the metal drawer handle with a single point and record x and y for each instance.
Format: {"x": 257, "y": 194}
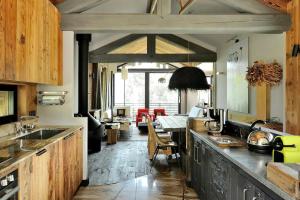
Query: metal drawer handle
{"x": 68, "y": 136}
{"x": 195, "y": 153}
{"x": 244, "y": 194}
{"x": 41, "y": 152}
{"x": 198, "y": 154}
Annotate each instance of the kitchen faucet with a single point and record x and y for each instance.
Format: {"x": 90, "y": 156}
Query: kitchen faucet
{"x": 24, "y": 128}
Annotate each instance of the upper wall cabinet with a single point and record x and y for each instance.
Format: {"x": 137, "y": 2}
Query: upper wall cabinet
{"x": 30, "y": 42}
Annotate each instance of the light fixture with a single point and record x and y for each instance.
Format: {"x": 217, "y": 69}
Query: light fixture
{"x": 162, "y": 80}
{"x": 185, "y": 78}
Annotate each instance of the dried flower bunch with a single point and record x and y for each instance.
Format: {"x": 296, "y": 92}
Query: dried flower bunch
{"x": 259, "y": 73}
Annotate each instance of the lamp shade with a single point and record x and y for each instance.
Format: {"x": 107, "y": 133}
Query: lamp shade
{"x": 185, "y": 78}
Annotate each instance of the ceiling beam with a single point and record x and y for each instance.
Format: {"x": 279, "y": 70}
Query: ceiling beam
{"x": 175, "y": 24}
{"x": 128, "y": 58}
{"x": 78, "y": 6}
{"x": 248, "y": 6}
{"x": 280, "y": 5}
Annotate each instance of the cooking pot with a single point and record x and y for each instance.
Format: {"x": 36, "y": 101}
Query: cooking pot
{"x": 258, "y": 140}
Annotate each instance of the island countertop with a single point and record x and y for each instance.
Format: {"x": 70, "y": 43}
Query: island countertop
{"x": 20, "y": 149}
{"x": 254, "y": 164}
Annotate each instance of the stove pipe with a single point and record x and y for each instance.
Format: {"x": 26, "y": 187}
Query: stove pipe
{"x": 83, "y": 56}
{"x": 94, "y": 126}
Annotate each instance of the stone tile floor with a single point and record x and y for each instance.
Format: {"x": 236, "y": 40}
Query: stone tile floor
{"x": 123, "y": 172}
{"x": 166, "y": 182}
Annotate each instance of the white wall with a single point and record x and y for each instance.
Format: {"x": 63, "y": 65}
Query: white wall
{"x": 64, "y": 114}
{"x": 265, "y": 47}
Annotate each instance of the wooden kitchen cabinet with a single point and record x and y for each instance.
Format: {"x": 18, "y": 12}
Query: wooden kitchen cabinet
{"x": 30, "y": 42}
{"x": 34, "y": 176}
{"x": 72, "y": 163}
{"x": 53, "y": 173}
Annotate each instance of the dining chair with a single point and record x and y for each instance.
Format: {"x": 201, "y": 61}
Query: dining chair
{"x": 158, "y": 142}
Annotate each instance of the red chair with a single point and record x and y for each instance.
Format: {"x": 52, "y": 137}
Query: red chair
{"x": 159, "y": 112}
{"x": 140, "y": 113}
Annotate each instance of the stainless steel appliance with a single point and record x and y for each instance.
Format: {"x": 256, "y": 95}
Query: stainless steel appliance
{"x": 9, "y": 186}
{"x": 258, "y": 140}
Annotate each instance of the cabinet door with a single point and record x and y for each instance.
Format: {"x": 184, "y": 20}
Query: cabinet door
{"x": 10, "y": 38}
{"x": 56, "y": 176}
{"x": 234, "y": 184}
{"x": 55, "y": 45}
{"x": 79, "y": 160}
{"x": 25, "y": 179}
{"x": 69, "y": 161}
{"x": 40, "y": 175}
{"x": 21, "y": 69}
{"x": 245, "y": 188}
{"x": 2, "y": 38}
{"x": 72, "y": 163}
{"x": 195, "y": 167}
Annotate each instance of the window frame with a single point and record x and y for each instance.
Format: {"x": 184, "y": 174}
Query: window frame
{"x": 14, "y": 117}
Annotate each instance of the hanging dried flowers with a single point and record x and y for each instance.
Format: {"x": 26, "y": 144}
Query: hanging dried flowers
{"x": 259, "y": 73}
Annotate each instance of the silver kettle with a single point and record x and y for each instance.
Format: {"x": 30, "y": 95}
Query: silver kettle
{"x": 258, "y": 140}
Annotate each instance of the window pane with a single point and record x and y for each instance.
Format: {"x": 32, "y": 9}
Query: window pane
{"x": 134, "y": 91}
{"x": 119, "y": 89}
{"x": 160, "y": 95}
{"x": 6, "y": 103}
{"x": 204, "y": 96}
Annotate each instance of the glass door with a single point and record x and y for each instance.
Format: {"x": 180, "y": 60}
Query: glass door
{"x": 159, "y": 94}
{"x": 130, "y": 92}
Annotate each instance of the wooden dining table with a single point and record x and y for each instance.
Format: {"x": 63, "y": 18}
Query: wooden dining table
{"x": 173, "y": 123}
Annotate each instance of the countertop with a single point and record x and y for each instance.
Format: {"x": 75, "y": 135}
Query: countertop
{"x": 19, "y": 149}
{"x": 252, "y": 163}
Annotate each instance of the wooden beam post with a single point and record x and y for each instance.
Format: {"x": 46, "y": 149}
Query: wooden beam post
{"x": 263, "y": 102}
{"x": 292, "y": 102}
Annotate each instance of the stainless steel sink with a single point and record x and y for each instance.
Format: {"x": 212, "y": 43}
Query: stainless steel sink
{"x": 42, "y": 134}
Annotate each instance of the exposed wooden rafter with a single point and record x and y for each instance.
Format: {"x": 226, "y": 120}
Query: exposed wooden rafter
{"x": 200, "y": 54}
{"x": 175, "y": 24}
{"x": 153, "y": 6}
{"x": 280, "y": 5}
{"x": 184, "y": 5}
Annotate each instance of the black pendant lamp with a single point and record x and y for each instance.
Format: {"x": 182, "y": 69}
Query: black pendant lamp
{"x": 186, "y": 78}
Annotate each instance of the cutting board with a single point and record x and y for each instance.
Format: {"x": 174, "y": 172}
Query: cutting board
{"x": 286, "y": 177}
{"x": 222, "y": 141}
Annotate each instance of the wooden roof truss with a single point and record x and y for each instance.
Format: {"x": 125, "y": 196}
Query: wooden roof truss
{"x": 198, "y": 53}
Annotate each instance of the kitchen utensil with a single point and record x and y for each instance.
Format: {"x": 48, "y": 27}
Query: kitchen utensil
{"x": 286, "y": 149}
{"x": 258, "y": 140}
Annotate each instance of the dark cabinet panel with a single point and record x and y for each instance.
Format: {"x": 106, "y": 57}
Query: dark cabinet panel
{"x": 215, "y": 178}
